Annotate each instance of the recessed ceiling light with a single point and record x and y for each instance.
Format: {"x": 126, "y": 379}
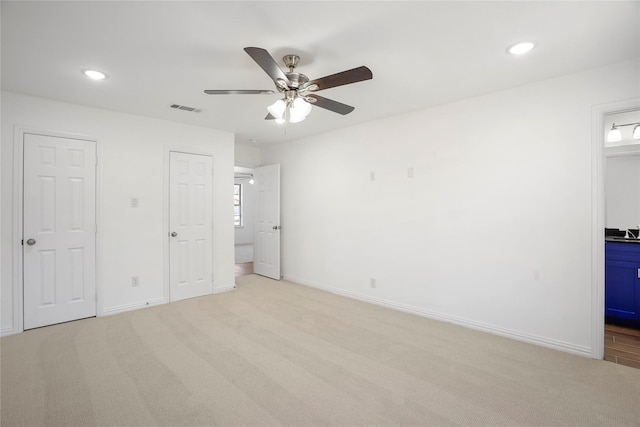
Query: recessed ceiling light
{"x": 94, "y": 74}
{"x": 520, "y": 48}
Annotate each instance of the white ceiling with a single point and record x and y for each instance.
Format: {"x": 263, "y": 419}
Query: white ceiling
{"x": 422, "y": 54}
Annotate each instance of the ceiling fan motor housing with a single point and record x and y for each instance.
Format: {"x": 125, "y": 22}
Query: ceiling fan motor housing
{"x": 296, "y": 80}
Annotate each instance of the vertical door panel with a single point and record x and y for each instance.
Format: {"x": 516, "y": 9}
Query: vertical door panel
{"x": 76, "y": 203}
{"x": 181, "y": 268}
{"x": 182, "y": 208}
{"x": 199, "y": 205}
{"x": 200, "y": 260}
{"x": 190, "y": 218}
{"x": 45, "y": 281}
{"x": 59, "y": 219}
{"x": 267, "y": 222}
{"x": 46, "y": 214}
{"x": 76, "y": 257}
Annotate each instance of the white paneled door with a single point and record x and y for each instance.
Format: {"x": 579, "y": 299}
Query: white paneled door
{"x": 266, "y": 240}
{"x": 59, "y": 230}
{"x": 190, "y": 225}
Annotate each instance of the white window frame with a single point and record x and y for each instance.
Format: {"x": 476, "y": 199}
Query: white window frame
{"x": 240, "y": 204}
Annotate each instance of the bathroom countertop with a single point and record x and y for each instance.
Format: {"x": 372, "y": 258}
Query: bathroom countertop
{"x": 621, "y": 240}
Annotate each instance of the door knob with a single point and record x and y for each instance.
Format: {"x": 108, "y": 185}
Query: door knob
{"x": 276, "y": 227}
{"x": 174, "y": 234}
{"x": 31, "y": 242}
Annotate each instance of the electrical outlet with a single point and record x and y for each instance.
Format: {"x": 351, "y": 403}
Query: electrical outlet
{"x": 135, "y": 280}
{"x": 372, "y": 176}
{"x": 135, "y": 202}
{"x": 372, "y": 282}
{"x": 410, "y": 173}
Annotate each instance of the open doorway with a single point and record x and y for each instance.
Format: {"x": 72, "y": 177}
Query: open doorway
{"x": 622, "y": 246}
{"x": 243, "y": 219}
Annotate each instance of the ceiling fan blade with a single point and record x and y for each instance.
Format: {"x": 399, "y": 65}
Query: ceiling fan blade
{"x": 238, "y": 92}
{"x": 270, "y": 117}
{"x": 344, "y": 78}
{"x": 331, "y": 105}
{"x": 267, "y": 63}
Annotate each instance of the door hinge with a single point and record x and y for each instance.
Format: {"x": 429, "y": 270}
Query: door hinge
{"x": 22, "y": 242}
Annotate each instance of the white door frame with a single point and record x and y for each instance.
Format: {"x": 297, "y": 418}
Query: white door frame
{"x": 165, "y": 232}
{"x": 598, "y": 217}
{"x": 17, "y": 237}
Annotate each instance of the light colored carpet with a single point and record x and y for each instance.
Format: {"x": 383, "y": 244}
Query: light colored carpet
{"x": 277, "y": 353}
{"x": 244, "y": 253}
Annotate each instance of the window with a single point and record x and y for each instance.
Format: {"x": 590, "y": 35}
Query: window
{"x": 237, "y": 205}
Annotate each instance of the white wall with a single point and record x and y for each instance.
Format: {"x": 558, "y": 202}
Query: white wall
{"x": 494, "y": 230}
{"x": 247, "y": 155}
{"x": 623, "y": 191}
{"x": 133, "y": 152}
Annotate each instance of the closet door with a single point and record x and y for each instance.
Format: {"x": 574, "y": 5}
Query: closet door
{"x": 59, "y": 229}
{"x": 190, "y": 222}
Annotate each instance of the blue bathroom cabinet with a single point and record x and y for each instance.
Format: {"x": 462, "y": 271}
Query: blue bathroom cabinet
{"x": 622, "y": 283}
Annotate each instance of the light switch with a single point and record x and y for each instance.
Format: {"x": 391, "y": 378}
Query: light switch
{"x": 134, "y": 202}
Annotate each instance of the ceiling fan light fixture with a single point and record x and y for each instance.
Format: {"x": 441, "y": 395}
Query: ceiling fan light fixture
{"x": 295, "y": 118}
{"x": 301, "y": 106}
{"x": 277, "y": 109}
{"x": 291, "y": 110}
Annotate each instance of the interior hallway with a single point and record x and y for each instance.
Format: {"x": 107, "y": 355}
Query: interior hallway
{"x": 244, "y": 269}
{"x": 243, "y": 259}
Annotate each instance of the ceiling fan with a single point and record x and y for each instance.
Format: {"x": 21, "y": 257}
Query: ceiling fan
{"x": 299, "y": 92}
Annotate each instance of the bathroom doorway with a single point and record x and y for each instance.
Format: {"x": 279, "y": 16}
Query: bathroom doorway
{"x": 622, "y": 216}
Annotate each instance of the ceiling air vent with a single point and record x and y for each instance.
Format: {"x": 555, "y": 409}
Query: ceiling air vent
{"x": 185, "y": 108}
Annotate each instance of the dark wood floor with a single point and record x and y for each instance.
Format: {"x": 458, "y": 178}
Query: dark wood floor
{"x": 622, "y": 345}
{"x": 244, "y": 269}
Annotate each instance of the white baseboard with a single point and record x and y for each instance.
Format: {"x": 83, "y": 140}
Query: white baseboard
{"x": 480, "y": 326}
{"x": 109, "y": 311}
{"x": 129, "y": 307}
{"x": 145, "y": 304}
{"x": 7, "y": 331}
{"x": 224, "y": 289}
